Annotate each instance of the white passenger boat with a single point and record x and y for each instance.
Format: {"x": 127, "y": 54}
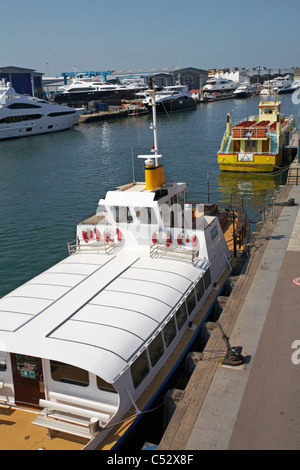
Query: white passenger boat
{"x": 22, "y": 115}
{"x": 95, "y": 339}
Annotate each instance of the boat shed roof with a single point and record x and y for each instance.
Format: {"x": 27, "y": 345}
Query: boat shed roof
{"x": 92, "y": 310}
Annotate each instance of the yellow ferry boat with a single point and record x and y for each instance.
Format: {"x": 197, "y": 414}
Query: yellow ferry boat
{"x": 256, "y": 144}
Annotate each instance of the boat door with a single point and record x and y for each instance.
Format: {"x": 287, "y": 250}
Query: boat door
{"x": 28, "y": 379}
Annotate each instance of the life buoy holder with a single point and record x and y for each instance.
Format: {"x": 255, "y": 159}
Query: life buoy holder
{"x": 119, "y": 234}
{"x": 162, "y": 237}
{"x": 107, "y": 236}
{"x": 187, "y": 239}
{"x": 97, "y": 234}
{"x": 111, "y": 235}
{"x": 88, "y": 235}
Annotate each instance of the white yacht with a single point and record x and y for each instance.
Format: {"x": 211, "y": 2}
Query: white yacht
{"x": 91, "y": 344}
{"x": 22, "y": 115}
{"x": 289, "y": 88}
{"x": 244, "y": 91}
{"x": 215, "y": 84}
{"x": 275, "y": 85}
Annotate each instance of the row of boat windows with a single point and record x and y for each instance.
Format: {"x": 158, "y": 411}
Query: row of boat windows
{"x": 146, "y": 215}
{"x": 61, "y": 372}
{"x": 29, "y": 117}
{"x": 140, "y": 368}
{"x": 25, "y": 105}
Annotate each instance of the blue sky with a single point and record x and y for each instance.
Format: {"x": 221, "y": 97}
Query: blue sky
{"x": 97, "y": 35}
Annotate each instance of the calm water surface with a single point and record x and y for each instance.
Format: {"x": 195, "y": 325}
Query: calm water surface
{"x": 49, "y": 182}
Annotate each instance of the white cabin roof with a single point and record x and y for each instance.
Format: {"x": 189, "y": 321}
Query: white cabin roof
{"x": 92, "y": 310}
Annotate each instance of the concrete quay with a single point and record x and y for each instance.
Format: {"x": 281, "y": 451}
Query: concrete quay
{"x": 254, "y": 406}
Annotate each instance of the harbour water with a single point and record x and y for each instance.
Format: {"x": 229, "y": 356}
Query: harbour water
{"x": 49, "y": 182}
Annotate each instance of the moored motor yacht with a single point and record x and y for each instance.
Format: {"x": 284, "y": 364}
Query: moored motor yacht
{"x": 275, "y": 85}
{"x": 83, "y": 91}
{"x": 244, "y": 91}
{"x": 215, "y": 84}
{"x": 171, "y": 99}
{"x": 92, "y": 343}
{"x": 289, "y": 88}
{"x": 22, "y": 115}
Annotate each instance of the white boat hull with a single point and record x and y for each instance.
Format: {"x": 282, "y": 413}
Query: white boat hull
{"x": 43, "y": 125}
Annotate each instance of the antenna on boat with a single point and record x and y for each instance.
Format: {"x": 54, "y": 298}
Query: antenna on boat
{"x": 154, "y": 124}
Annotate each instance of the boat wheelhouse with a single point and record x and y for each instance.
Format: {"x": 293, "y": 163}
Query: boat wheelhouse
{"x": 92, "y": 343}
{"x": 256, "y": 143}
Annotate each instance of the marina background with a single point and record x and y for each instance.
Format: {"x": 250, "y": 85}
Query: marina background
{"x": 49, "y": 182}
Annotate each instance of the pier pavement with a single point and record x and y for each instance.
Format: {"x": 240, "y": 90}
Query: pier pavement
{"x": 256, "y": 405}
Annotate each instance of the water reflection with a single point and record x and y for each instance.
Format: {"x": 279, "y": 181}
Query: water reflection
{"x": 250, "y": 190}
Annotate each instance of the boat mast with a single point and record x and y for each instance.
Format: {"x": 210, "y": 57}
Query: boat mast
{"x": 154, "y": 124}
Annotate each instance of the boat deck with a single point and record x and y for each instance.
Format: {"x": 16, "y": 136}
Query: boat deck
{"x": 18, "y": 433}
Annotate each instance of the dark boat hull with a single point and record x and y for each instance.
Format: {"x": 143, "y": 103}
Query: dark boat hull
{"x": 112, "y": 98}
{"x": 175, "y": 105}
{"x": 243, "y": 94}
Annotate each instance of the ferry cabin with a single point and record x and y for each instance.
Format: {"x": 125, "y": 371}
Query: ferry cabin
{"x": 85, "y": 339}
{"x": 256, "y": 143}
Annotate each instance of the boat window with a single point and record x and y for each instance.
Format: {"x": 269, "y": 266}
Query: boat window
{"x": 103, "y": 385}
{"x": 61, "y": 113}
{"x": 181, "y": 316}
{"x": 156, "y": 349}
{"x": 22, "y": 106}
{"x": 2, "y": 361}
{"x": 121, "y": 214}
{"x": 180, "y": 200}
{"x": 69, "y": 374}
{"x": 27, "y": 366}
{"x": 140, "y": 369}
{"x": 199, "y": 289}
{"x": 164, "y": 213}
{"x": 27, "y": 117}
{"x": 146, "y": 215}
{"x": 169, "y": 331}
{"x": 214, "y": 232}
{"x": 77, "y": 90}
{"x": 191, "y": 302}
{"x": 207, "y": 278}
{"x": 100, "y": 209}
